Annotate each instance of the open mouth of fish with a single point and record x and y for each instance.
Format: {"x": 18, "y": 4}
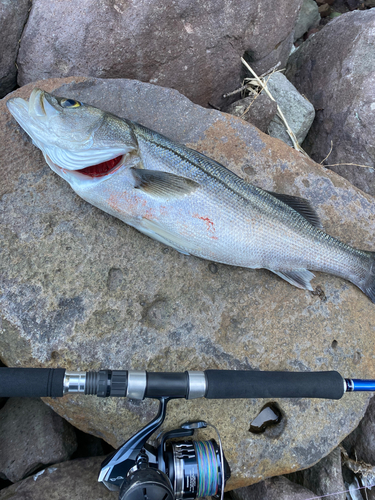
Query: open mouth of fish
{"x": 98, "y": 170}
{"x": 79, "y": 159}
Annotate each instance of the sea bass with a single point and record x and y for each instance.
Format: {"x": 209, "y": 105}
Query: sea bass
{"x": 182, "y": 198}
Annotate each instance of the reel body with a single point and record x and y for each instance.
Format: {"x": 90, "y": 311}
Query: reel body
{"x": 174, "y": 470}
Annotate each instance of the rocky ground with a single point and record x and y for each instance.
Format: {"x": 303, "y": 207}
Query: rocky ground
{"x": 84, "y": 291}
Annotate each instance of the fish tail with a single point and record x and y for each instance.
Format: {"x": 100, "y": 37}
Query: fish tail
{"x": 368, "y": 283}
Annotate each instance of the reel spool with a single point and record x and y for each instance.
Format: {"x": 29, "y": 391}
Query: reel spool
{"x": 195, "y": 470}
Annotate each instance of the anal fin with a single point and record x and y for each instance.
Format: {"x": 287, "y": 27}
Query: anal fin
{"x": 298, "y": 277}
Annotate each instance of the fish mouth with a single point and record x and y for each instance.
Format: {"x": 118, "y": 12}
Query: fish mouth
{"x": 93, "y": 172}
{"x": 72, "y": 156}
{"x": 36, "y": 110}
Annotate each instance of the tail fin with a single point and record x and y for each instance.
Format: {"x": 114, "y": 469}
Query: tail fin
{"x": 369, "y": 283}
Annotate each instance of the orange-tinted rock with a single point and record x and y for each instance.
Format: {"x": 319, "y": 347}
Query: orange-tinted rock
{"x": 83, "y": 290}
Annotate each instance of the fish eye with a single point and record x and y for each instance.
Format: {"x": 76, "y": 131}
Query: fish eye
{"x": 69, "y": 103}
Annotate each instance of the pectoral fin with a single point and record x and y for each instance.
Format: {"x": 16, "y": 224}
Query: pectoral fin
{"x": 154, "y": 230}
{"x": 299, "y": 277}
{"x": 163, "y": 184}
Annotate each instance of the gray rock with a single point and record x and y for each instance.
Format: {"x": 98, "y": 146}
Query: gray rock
{"x": 13, "y": 16}
{"x": 259, "y": 110}
{"x": 360, "y": 444}
{"x": 335, "y": 70}
{"x": 324, "y": 478}
{"x": 32, "y": 435}
{"x": 192, "y": 47}
{"x": 298, "y": 111}
{"x": 308, "y": 18}
{"x": 83, "y": 290}
{"x": 73, "y": 480}
{"x": 277, "y": 57}
{"x": 275, "y": 488}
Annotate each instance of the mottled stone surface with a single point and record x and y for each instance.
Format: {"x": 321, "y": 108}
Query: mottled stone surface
{"x": 324, "y": 478}
{"x": 194, "y": 47}
{"x": 298, "y": 111}
{"x": 73, "y": 480}
{"x": 257, "y": 110}
{"x": 13, "y": 16}
{"x": 308, "y": 18}
{"x": 276, "y": 58}
{"x": 275, "y": 488}
{"x": 32, "y": 435}
{"x": 335, "y": 70}
{"x": 84, "y": 291}
{"x": 360, "y": 444}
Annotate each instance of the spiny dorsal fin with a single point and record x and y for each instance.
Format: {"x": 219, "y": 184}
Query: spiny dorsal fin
{"x": 163, "y": 184}
{"x": 300, "y": 205}
{"x": 299, "y": 277}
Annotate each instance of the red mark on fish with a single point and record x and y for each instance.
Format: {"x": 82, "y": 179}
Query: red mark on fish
{"x": 209, "y": 223}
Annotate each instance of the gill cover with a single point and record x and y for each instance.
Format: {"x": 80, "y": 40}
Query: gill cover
{"x": 71, "y": 135}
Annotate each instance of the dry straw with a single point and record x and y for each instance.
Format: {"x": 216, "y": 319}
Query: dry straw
{"x": 263, "y": 84}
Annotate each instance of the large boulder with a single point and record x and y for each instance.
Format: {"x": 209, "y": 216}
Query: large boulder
{"x": 275, "y": 488}
{"x": 324, "y": 478}
{"x": 335, "y": 70}
{"x": 73, "y": 480}
{"x": 13, "y": 16}
{"x": 194, "y": 47}
{"x": 83, "y": 290}
{"x": 32, "y": 435}
{"x": 361, "y": 442}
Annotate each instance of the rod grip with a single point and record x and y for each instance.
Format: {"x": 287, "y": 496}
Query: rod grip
{"x": 32, "y": 382}
{"x": 224, "y": 384}
{"x": 172, "y": 385}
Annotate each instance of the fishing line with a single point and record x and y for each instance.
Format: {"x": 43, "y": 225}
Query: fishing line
{"x": 338, "y": 492}
{"x": 208, "y": 466}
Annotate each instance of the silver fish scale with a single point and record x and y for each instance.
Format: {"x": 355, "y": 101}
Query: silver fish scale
{"x": 253, "y": 228}
{"x": 217, "y": 217}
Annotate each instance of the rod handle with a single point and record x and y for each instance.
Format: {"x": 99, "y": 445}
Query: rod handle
{"x": 223, "y": 384}
{"x": 31, "y": 382}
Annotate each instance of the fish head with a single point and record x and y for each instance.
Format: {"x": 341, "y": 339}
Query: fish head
{"x": 80, "y": 143}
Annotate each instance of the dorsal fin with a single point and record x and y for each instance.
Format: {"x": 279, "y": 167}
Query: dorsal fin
{"x": 300, "y": 205}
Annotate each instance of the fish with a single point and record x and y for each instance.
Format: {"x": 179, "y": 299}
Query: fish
{"x": 182, "y": 198}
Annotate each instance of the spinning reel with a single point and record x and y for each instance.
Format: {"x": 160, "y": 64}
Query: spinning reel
{"x": 183, "y": 469}
{"x": 175, "y": 469}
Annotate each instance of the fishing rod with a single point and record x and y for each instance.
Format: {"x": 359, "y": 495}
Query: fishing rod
{"x": 174, "y": 470}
